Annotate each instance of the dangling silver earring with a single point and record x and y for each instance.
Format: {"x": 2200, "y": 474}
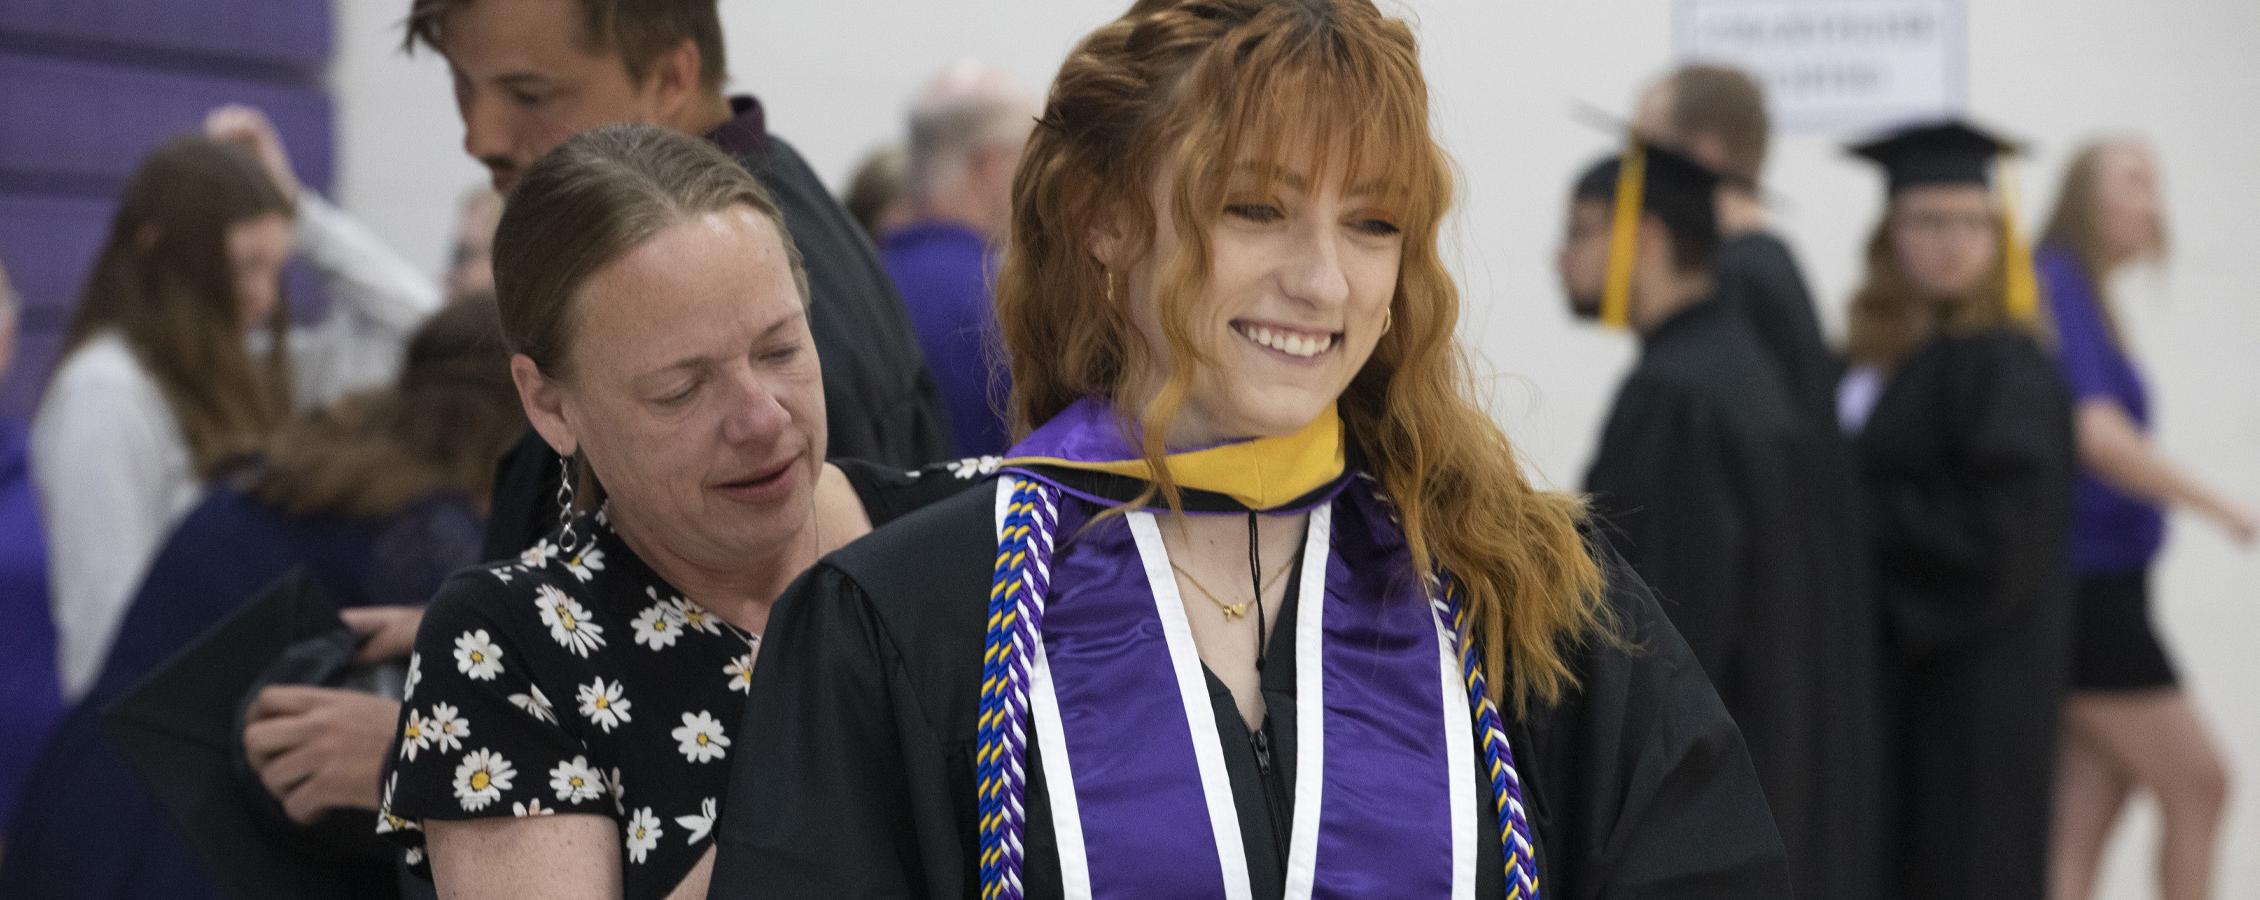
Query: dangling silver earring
{"x": 1108, "y": 276}
{"x": 566, "y": 538}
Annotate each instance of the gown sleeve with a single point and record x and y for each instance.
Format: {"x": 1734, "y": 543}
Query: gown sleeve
{"x": 1644, "y": 785}
{"x": 1991, "y": 532}
{"x": 839, "y": 789}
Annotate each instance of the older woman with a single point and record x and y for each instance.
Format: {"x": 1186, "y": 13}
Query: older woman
{"x": 1262, "y": 604}
{"x": 568, "y": 723}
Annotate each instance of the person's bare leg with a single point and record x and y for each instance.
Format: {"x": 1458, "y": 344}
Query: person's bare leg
{"x": 2157, "y": 739}
{"x": 2091, "y": 790}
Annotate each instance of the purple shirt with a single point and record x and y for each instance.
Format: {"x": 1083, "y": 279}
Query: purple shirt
{"x": 2111, "y": 531}
{"x": 943, "y": 271}
{"x": 30, "y": 700}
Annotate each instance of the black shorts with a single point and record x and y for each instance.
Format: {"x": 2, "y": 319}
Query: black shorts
{"x": 2116, "y": 648}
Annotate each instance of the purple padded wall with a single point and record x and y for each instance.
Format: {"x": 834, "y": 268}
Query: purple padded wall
{"x": 87, "y": 87}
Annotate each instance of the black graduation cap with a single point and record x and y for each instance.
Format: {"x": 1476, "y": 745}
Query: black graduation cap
{"x": 1648, "y": 178}
{"x": 1948, "y": 152}
{"x": 181, "y": 730}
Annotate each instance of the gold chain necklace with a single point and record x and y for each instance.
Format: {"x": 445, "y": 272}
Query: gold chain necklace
{"x": 1232, "y": 611}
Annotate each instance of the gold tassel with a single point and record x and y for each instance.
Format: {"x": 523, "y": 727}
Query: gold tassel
{"x": 2023, "y": 288}
{"x": 1624, "y": 234}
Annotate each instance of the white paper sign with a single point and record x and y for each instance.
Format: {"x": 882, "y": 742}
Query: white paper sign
{"x": 1836, "y": 65}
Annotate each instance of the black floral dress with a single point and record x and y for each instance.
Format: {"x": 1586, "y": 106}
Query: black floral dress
{"x": 575, "y": 680}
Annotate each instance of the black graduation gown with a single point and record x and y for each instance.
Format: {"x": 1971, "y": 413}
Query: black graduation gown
{"x": 853, "y": 770}
{"x": 1969, "y": 464}
{"x": 880, "y": 402}
{"x": 1757, "y": 276}
{"x": 1744, "y": 518}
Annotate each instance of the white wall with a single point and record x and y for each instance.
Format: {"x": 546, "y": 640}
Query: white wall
{"x": 834, "y": 76}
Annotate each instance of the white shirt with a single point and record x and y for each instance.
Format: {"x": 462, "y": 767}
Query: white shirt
{"x": 107, "y": 456}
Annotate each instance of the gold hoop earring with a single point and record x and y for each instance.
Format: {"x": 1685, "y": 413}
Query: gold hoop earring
{"x": 1107, "y": 276}
{"x": 1388, "y": 320}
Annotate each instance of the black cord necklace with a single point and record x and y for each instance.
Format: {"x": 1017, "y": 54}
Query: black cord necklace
{"x": 1255, "y": 580}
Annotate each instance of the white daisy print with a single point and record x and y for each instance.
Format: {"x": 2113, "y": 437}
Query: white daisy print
{"x": 414, "y": 737}
{"x": 585, "y": 564}
{"x": 536, "y": 704}
{"x": 531, "y": 808}
{"x": 568, "y": 621}
{"x": 604, "y": 704}
{"x": 699, "y": 825}
{"x": 975, "y": 467}
{"x": 740, "y": 671}
{"x": 619, "y": 792}
{"x": 695, "y": 617}
{"x": 477, "y": 656}
{"x": 415, "y": 676}
{"x": 446, "y": 729}
{"x": 388, "y": 823}
{"x": 658, "y": 626}
{"x": 576, "y": 781}
{"x": 701, "y": 739}
{"x": 482, "y": 778}
{"x": 643, "y": 834}
{"x": 539, "y": 554}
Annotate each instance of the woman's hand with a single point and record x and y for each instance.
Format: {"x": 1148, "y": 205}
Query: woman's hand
{"x": 249, "y": 128}
{"x": 2240, "y": 523}
{"x": 318, "y": 749}
{"x": 387, "y": 632}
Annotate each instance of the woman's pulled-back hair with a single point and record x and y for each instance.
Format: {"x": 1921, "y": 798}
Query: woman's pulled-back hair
{"x": 163, "y": 280}
{"x": 590, "y": 202}
{"x": 1188, "y": 89}
{"x": 437, "y": 430}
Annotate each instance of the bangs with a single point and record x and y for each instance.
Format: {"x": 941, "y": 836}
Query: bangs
{"x": 1313, "y": 103}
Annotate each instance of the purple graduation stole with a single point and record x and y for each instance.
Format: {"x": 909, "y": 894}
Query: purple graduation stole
{"x": 1093, "y": 645}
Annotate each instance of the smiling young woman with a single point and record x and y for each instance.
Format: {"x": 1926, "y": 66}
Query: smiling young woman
{"x": 1261, "y": 591}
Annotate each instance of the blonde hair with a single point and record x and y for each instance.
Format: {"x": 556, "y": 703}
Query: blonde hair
{"x": 1196, "y": 85}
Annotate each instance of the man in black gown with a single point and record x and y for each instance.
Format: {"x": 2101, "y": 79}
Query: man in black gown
{"x": 1716, "y": 116}
{"x": 1720, "y": 495}
{"x": 531, "y": 73}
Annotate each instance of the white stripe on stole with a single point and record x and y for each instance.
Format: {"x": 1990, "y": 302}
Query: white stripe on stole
{"x": 1200, "y": 714}
{"x": 1051, "y": 741}
{"x": 1459, "y": 748}
{"x": 1310, "y": 704}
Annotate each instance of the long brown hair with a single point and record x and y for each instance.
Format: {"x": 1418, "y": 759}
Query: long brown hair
{"x": 1890, "y": 319}
{"x": 438, "y": 429}
{"x": 1197, "y": 85}
{"x": 164, "y": 281}
{"x": 2076, "y": 225}
{"x": 589, "y": 202}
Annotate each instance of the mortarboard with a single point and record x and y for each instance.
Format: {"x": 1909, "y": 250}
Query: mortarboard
{"x": 1956, "y": 152}
{"x": 181, "y": 730}
{"x": 1647, "y": 178}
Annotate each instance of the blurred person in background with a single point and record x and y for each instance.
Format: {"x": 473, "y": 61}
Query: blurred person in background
{"x": 470, "y": 256}
{"x": 1725, "y": 500}
{"x": 529, "y": 74}
{"x": 378, "y": 496}
{"x": 2128, "y": 724}
{"x": 1964, "y": 438}
{"x": 874, "y": 192}
{"x": 1716, "y": 115}
{"x": 30, "y": 700}
{"x": 181, "y": 357}
{"x": 966, "y": 133}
